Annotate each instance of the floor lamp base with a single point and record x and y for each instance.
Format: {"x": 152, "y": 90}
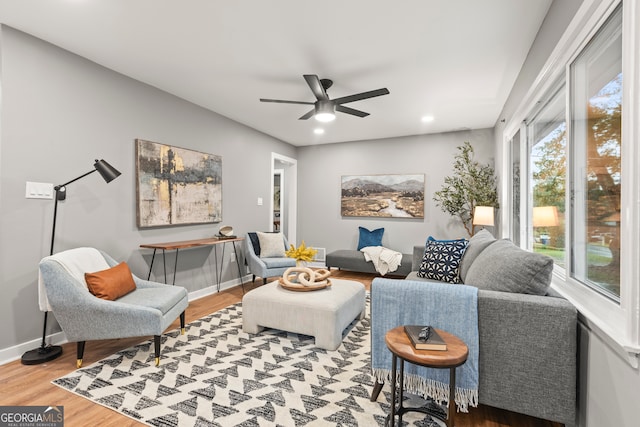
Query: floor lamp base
{"x": 41, "y": 355}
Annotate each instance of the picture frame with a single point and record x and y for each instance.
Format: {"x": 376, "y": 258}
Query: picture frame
{"x": 176, "y": 186}
{"x": 387, "y": 196}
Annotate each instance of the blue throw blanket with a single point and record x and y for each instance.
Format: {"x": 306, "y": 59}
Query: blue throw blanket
{"x": 453, "y": 308}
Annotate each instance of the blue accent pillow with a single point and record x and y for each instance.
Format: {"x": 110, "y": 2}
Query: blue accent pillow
{"x": 370, "y": 238}
{"x": 441, "y": 260}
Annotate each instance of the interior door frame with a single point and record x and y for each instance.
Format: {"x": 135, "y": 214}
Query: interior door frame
{"x": 279, "y": 172}
{"x": 289, "y": 181}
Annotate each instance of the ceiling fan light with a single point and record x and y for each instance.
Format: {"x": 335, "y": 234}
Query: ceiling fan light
{"x": 325, "y": 117}
{"x": 324, "y": 112}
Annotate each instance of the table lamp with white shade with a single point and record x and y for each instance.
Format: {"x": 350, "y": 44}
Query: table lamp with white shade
{"x": 483, "y": 215}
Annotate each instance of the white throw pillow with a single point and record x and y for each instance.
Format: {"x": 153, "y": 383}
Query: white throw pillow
{"x": 271, "y": 245}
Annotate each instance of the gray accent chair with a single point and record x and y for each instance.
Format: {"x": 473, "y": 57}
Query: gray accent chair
{"x": 265, "y": 267}
{"x": 528, "y": 342}
{"x": 148, "y": 310}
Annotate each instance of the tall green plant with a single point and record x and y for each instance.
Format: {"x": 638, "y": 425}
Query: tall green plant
{"x": 471, "y": 185}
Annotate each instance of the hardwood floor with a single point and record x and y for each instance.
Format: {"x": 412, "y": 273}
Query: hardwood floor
{"x": 31, "y": 385}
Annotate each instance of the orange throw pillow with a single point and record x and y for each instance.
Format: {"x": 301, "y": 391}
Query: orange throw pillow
{"x": 111, "y": 284}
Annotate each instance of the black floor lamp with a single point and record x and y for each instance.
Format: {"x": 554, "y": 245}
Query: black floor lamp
{"x": 46, "y": 353}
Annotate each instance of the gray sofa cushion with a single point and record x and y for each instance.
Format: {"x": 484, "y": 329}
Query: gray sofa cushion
{"x": 477, "y": 244}
{"x": 350, "y": 259}
{"x": 279, "y": 262}
{"x": 504, "y": 267}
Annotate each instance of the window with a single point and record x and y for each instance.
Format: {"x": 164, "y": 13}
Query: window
{"x": 576, "y": 134}
{"x": 515, "y": 188}
{"x": 547, "y": 134}
{"x": 596, "y": 111}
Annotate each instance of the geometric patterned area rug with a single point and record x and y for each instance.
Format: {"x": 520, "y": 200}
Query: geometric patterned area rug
{"x": 217, "y": 375}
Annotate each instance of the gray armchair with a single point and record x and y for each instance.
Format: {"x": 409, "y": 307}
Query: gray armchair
{"x": 265, "y": 267}
{"x": 148, "y": 310}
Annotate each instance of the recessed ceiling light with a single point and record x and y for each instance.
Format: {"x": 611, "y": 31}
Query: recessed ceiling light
{"x": 318, "y": 131}
{"x": 427, "y": 119}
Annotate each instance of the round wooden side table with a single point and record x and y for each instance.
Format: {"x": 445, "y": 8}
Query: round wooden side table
{"x": 400, "y": 346}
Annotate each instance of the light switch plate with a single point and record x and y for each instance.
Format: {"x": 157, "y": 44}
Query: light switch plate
{"x": 39, "y": 190}
{"x": 259, "y": 201}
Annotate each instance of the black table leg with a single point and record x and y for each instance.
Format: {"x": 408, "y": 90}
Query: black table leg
{"x": 452, "y": 397}
{"x": 392, "y": 415}
{"x": 401, "y": 393}
{"x": 235, "y": 251}
{"x": 215, "y": 261}
{"x": 175, "y": 268}
{"x": 151, "y": 266}
{"x": 164, "y": 263}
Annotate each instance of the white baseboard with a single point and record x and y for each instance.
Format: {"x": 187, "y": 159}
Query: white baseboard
{"x": 15, "y": 353}
{"x": 317, "y": 264}
{"x": 210, "y": 290}
{"x": 11, "y": 354}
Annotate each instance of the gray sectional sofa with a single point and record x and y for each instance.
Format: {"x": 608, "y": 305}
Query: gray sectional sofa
{"x": 527, "y": 332}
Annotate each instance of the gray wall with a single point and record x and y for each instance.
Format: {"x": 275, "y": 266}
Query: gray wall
{"x": 59, "y": 113}
{"x": 555, "y": 23}
{"x": 608, "y": 386}
{"x": 321, "y": 168}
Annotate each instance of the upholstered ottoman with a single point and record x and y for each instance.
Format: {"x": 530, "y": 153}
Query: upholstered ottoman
{"x": 323, "y": 314}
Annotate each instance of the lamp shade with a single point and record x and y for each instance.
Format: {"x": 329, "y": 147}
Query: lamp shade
{"x": 545, "y": 216}
{"x": 483, "y": 215}
{"x": 108, "y": 172}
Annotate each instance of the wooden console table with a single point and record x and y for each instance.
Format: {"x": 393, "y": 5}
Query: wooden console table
{"x": 185, "y": 244}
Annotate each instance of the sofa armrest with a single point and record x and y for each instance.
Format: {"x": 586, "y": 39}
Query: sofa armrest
{"x": 253, "y": 261}
{"x": 528, "y": 353}
{"x": 418, "y": 254}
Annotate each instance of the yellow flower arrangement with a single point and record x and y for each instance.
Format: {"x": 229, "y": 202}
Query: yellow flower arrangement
{"x": 301, "y": 253}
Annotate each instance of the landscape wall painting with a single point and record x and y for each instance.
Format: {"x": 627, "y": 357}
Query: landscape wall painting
{"x": 394, "y": 196}
{"x": 176, "y": 185}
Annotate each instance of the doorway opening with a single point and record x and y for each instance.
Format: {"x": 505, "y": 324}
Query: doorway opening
{"x": 283, "y": 200}
{"x": 278, "y": 191}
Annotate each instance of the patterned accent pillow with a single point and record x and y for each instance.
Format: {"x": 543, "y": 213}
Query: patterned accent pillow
{"x": 441, "y": 260}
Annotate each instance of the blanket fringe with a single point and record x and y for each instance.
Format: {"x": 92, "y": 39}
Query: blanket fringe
{"x": 437, "y": 391}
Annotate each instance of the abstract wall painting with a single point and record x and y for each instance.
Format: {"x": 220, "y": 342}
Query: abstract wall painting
{"x": 176, "y": 186}
{"x": 394, "y": 196}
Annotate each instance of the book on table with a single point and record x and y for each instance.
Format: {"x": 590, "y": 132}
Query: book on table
{"x": 424, "y": 337}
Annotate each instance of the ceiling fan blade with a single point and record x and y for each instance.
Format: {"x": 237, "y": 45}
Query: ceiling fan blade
{"x": 351, "y": 111}
{"x": 359, "y": 96}
{"x": 282, "y": 101}
{"x": 308, "y": 115}
{"x": 316, "y": 87}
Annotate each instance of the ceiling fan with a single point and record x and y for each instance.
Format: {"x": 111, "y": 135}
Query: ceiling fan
{"x": 324, "y": 108}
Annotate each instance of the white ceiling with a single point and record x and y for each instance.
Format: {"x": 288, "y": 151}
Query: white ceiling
{"x": 453, "y": 59}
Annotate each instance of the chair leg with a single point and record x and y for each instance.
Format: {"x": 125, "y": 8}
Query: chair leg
{"x": 79, "y": 353}
{"x": 377, "y": 387}
{"x": 254, "y": 279}
{"x": 156, "y": 345}
{"x": 182, "y": 328}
